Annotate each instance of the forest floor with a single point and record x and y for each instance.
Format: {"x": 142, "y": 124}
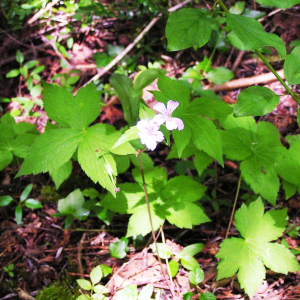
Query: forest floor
{"x": 41, "y": 250}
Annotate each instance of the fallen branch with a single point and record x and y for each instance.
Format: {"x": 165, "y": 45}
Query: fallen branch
{"x": 137, "y": 39}
{"x": 244, "y": 82}
{"x": 42, "y": 11}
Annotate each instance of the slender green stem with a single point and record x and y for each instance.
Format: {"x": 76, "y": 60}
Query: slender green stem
{"x": 150, "y": 219}
{"x": 278, "y": 77}
{"x": 223, "y": 6}
{"x": 234, "y": 205}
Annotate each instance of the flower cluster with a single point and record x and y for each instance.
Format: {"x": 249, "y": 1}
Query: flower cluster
{"x": 149, "y": 133}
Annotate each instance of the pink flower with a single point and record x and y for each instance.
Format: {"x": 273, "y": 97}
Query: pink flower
{"x": 149, "y": 133}
{"x": 165, "y": 116}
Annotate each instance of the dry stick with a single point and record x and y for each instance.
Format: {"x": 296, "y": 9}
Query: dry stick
{"x": 244, "y": 82}
{"x": 151, "y": 224}
{"x": 79, "y": 253}
{"x": 137, "y": 39}
{"x": 234, "y": 205}
{"x": 42, "y": 11}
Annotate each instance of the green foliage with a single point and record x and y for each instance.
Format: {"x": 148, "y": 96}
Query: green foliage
{"x": 249, "y": 254}
{"x": 279, "y": 3}
{"x": 130, "y": 94}
{"x": 252, "y": 34}
{"x": 15, "y": 139}
{"x": 196, "y": 275}
{"x": 96, "y": 290}
{"x": 93, "y": 143}
{"x": 29, "y": 203}
{"x": 9, "y": 270}
{"x": 187, "y": 27}
{"x": 119, "y": 249}
{"x": 255, "y": 101}
{"x": 291, "y": 67}
{"x": 168, "y": 200}
{"x": 72, "y": 207}
{"x": 259, "y": 149}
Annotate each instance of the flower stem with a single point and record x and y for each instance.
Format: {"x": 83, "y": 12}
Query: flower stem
{"x": 150, "y": 219}
{"x": 234, "y": 206}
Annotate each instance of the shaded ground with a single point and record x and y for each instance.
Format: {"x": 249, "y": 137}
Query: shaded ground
{"x": 42, "y": 251}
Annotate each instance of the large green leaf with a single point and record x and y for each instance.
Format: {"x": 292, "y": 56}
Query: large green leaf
{"x": 51, "y": 150}
{"x": 76, "y": 112}
{"x": 253, "y": 35}
{"x": 255, "y": 101}
{"x": 205, "y": 135}
{"x": 187, "y": 27}
{"x": 249, "y": 254}
{"x": 291, "y": 67}
{"x": 260, "y": 150}
{"x": 279, "y": 3}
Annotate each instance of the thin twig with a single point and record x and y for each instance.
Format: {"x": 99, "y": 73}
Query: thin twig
{"x": 79, "y": 254}
{"x": 136, "y": 40}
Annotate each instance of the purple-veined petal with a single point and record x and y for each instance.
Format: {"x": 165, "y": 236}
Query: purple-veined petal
{"x": 159, "y": 119}
{"x": 173, "y": 123}
{"x": 149, "y": 133}
{"x": 159, "y": 106}
{"x": 171, "y": 106}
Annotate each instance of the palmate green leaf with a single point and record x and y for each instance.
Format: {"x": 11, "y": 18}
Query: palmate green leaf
{"x": 187, "y": 27}
{"x": 205, "y": 135}
{"x": 172, "y": 201}
{"x": 255, "y": 101}
{"x": 61, "y": 174}
{"x": 291, "y": 67}
{"x": 43, "y": 157}
{"x": 249, "y": 254}
{"x": 253, "y": 35}
{"x": 129, "y": 135}
{"x": 260, "y": 150}
{"x": 279, "y": 3}
{"x": 75, "y": 112}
